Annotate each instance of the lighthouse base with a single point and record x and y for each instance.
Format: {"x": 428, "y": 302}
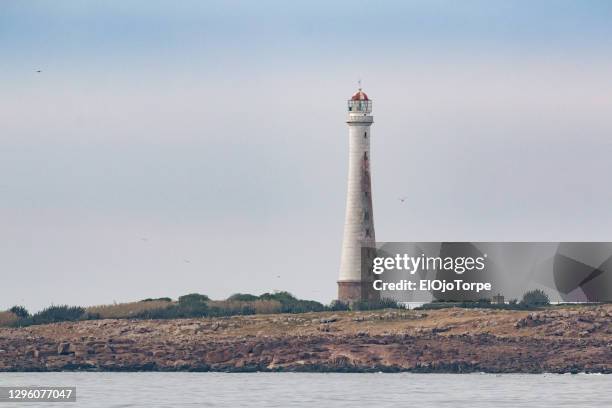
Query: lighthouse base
{"x": 355, "y": 291}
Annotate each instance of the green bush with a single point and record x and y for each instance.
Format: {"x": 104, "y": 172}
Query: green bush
{"x": 301, "y": 306}
{"x": 338, "y": 306}
{"x": 192, "y": 299}
{"x": 535, "y": 298}
{"x": 469, "y": 304}
{"x": 185, "y": 310}
{"x": 163, "y": 299}
{"x": 218, "y": 311}
{"x": 291, "y": 304}
{"x": 20, "y": 311}
{"x": 194, "y": 308}
{"x": 283, "y": 297}
{"x": 191, "y": 305}
{"x": 54, "y": 314}
{"x": 376, "y": 304}
{"x": 60, "y": 314}
{"x": 243, "y": 297}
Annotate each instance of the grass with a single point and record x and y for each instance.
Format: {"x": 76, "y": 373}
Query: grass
{"x": 126, "y": 310}
{"x": 7, "y": 318}
{"x": 236, "y": 306}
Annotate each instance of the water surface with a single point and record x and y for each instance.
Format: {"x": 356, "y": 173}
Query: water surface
{"x": 323, "y": 390}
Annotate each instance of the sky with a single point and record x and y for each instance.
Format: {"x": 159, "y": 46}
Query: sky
{"x": 201, "y": 146}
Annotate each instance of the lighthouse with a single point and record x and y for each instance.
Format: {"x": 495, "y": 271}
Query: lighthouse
{"x": 355, "y": 282}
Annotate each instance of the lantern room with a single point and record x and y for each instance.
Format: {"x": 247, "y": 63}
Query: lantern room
{"x": 359, "y": 103}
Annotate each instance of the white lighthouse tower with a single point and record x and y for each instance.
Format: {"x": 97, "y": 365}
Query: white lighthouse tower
{"x": 353, "y": 283}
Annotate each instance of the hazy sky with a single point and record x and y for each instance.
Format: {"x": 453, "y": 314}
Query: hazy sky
{"x": 197, "y": 146}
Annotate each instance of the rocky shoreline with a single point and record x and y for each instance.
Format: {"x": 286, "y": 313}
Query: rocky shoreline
{"x": 557, "y": 340}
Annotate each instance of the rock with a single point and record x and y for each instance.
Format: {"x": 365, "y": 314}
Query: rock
{"x": 63, "y": 348}
{"x": 180, "y": 364}
{"x": 441, "y": 329}
{"x": 218, "y": 356}
{"x": 341, "y": 360}
{"x": 141, "y": 330}
{"x": 257, "y": 349}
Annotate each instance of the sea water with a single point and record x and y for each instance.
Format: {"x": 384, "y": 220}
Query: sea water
{"x": 321, "y": 390}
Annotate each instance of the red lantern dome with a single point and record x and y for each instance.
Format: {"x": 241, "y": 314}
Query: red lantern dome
{"x": 360, "y": 96}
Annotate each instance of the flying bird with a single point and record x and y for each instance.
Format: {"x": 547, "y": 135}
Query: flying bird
{"x": 38, "y": 71}
{"x": 402, "y": 199}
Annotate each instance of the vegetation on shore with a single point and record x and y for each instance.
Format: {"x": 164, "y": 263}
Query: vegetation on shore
{"x": 190, "y": 305}
{"x": 532, "y": 299}
{"x": 198, "y": 305}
